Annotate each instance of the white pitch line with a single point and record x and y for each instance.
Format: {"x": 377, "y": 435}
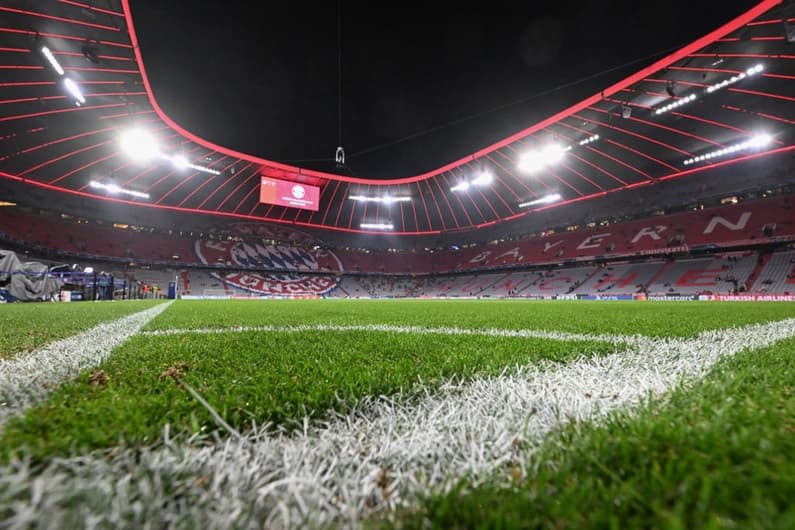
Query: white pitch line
{"x": 29, "y": 378}
{"x": 419, "y": 330}
{"x": 379, "y": 457}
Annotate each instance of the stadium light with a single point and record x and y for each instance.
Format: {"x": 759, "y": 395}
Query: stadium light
{"x": 546, "y": 199}
{"x": 758, "y": 141}
{"x": 553, "y": 153}
{"x": 386, "y": 199}
{"x": 139, "y": 144}
{"x": 377, "y": 226}
{"x": 538, "y": 159}
{"x": 587, "y": 141}
{"x": 52, "y": 60}
{"x": 736, "y": 78}
{"x": 675, "y": 104}
{"x": 484, "y": 179}
{"x": 117, "y": 190}
{"x": 531, "y": 162}
{"x": 180, "y": 162}
{"x": 142, "y": 146}
{"x": 74, "y": 90}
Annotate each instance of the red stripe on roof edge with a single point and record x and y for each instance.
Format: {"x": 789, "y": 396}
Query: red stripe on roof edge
{"x": 722, "y": 31}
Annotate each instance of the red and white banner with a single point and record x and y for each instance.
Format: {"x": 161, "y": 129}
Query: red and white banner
{"x": 290, "y": 194}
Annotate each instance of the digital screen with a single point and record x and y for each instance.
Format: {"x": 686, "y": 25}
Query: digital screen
{"x": 291, "y": 194}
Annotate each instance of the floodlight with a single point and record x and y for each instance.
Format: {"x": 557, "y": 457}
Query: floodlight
{"x": 52, "y": 60}
{"x": 386, "y": 199}
{"x": 758, "y": 141}
{"x": 537, "y": 159}
{"x": 552, "y": 197}
{"x": 675, "y": 104}
{"x": 74, "y": 90}
{"x": 377, "y": 226}
{"x": 461, "y": 186}
{"x": 546, "y": 199}
{"x": 531, "y": 161}
{"x": 484, "y": 179}
{"x": 139, "y": 144}
{"x": 552, "y": 154}
{"x": 116, "y": 189}
{"x": 752, "y": 71}
{"x": 180, "y": 162}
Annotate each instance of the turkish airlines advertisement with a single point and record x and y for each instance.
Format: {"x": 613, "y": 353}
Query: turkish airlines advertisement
{"x": 291, "y": 194}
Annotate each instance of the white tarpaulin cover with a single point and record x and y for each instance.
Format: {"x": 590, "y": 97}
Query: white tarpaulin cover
{"x": 26, "y": 281}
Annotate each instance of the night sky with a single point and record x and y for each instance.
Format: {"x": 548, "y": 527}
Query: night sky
{"x": 422, "y": 83}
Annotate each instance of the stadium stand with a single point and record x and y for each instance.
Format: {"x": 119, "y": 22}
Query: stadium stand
{"x": 619, "y": 259}
{"x": 750, "y": 223}
{"x": 559, "y": 281}
{"x": 78, "y": 237}
{"x": 379, "y": 287}
{"x": 621, "y": 278}
{"x": 778, "y": 275}
{"x": 513, "y": 284}
{"x": 721, "y": 274}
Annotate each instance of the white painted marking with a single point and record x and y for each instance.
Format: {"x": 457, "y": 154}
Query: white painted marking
{"x": 419, "y": 330}
{"x": 29, "y": 378}
{"x": 334, "y": 473}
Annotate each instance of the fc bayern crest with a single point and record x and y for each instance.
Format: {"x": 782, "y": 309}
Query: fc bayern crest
{"x": 289, "y": 264}
{"x": 298, "y": 191}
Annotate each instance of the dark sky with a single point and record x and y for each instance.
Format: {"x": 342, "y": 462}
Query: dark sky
{"x": 423, "y": 83}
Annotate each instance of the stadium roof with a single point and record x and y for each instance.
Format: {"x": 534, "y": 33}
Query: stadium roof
{"x": 74, "y": 84}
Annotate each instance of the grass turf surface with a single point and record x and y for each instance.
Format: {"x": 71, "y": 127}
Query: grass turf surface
{"x": 25, "y": 327}
{"x": 715, "y": 456}
{"x": 680, "y": 319}
{"x": 266, "y": 377}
